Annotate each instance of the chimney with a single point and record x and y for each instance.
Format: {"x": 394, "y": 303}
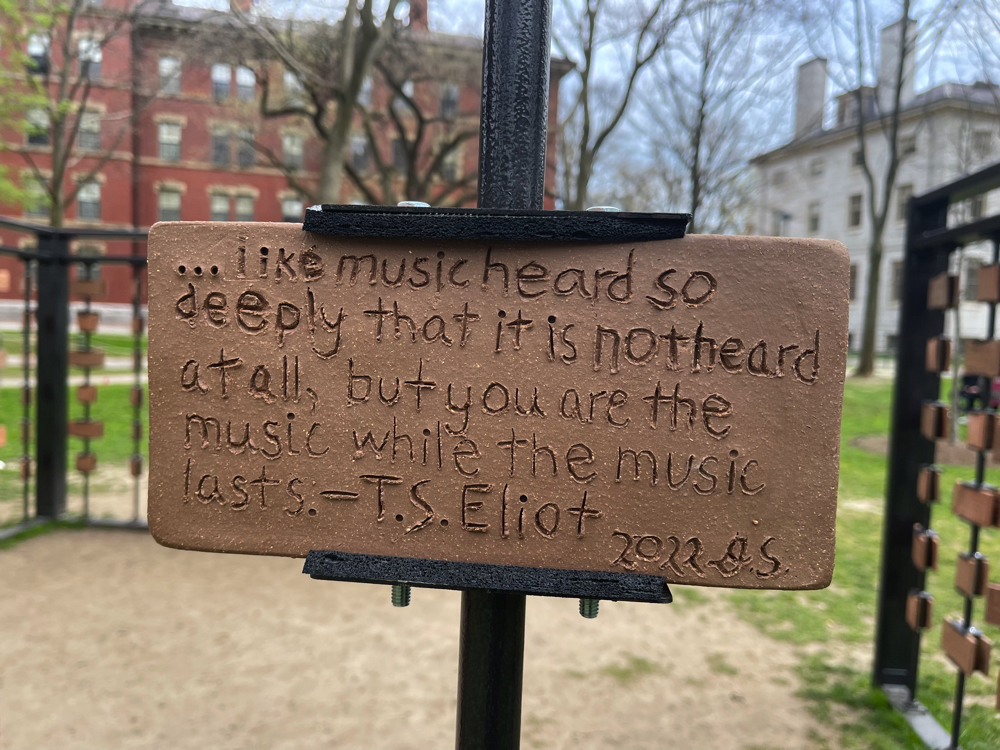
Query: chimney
{"x": 810, "y": 96}
{"x": 889, "y": 65}
{"x": 418, "y": 14}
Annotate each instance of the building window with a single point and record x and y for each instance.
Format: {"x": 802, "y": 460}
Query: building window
{"x": 169, "y": 202}
{"x": 88, "y": 271}
{"x": 244, "y": 208}
{"x": 778, "y": 178}
{"x": 982, "y": 143}
{"x": 891, "y": 342}
{"x": 908, "y": 145}
{"x": 246, "y": 157}
{"x": 895, "y": 280}
{"x": 365, "y": 93}
{"x": 449, "y": 166}
{"x": 36, "y": 199}
{"x": 220, "y": 149}
{"x": 854, "y": 211}
{"x": 221, "y": 80}
{"x": 89, "y": 136}
{"x": 38, "y": 51}
{"x": 291, "y": 209}
{"x": 903, "y": 195}
{"x": 88, "y": 201}
{"x": 977, "y": 206}
{"x": 971, "y": 280}
{"x": 170, "y": 75}
{"x": 449, "y": 100}
{"x": 851, "y": 341}
{"x": 359, "y": 153}
{"x": 399, "y": 160}
{"x": 856, "y": 160}
{"x": 778, "y": 219}
{"x": 814, "y": 217}
{"x": 90, "y": 59}
{"x": 854, "y": 283}
{"x": 170, "y": 141}
{"x": 294, "y": 91}
{"x": 406, "y": 93}
{"x": 291, "y": 150}
{"x": 246, "y": 84}
{"x": 38, "y": 127}
{"x": 220, "y": 207}
{"x": 816, "y": 167}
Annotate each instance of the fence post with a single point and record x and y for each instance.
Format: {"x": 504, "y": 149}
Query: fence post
{"x": 897, "y": 647}
{"x": 513, "y": 124}
{"x": 51, "y": 401}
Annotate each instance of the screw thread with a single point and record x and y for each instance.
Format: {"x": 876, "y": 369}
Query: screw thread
{"x": 589, "y": 607}
{"x": 400, "y": 595}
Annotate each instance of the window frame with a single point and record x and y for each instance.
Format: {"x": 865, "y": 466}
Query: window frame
{"x": 93, "y": 210}
{"x": 91, "y": 60}
{"x": 853, "y": 223}
{"x": 161, "y": 211}
{"x": 451, "y": 94}
{"x": 170, "y": 82}
{"x": 41, "y": 60}
{"x": 38, "y": 133}
{"x": 287, "y": 215}
{"x": 221, "y": 89}
{"x": 293, "y": 158}
{"x": 93, "y": 135}
{"x": 215, "y": 200}
{"x": 167, "y": 149}
{"x": 236, "y": 207}
{"x": 220, "y": 137}
{"x": 814, "y": 216}
{"x": 245, "y": 91}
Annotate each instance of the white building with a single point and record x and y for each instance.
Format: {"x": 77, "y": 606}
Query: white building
{"x": 813, "y": 186}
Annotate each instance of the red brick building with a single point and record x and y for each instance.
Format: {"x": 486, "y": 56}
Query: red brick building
{"x": 198, "y": 145}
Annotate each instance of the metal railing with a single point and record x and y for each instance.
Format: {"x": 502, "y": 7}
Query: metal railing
{"x": 47, "y": 353}
{"x": 919, "y": 419}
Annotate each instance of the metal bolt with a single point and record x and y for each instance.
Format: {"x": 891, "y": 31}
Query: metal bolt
{"x": 401, "y": 595}
{"x": 604, "y": 208}
{"x": 589, "y": 607}
{"x": 413, "y": 204}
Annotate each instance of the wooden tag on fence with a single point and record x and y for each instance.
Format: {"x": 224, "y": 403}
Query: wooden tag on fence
{"x": 969, "y": 650}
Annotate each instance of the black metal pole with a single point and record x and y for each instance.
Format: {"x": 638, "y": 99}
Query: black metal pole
{"x": 511, "y": 175}
{"x": 52, "y": 404}
{"x": 897, "y": 647}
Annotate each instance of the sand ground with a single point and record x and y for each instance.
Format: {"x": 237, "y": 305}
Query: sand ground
{"x": 108, "y": 642}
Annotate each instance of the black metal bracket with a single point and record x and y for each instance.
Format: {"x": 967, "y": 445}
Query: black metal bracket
{"x": 464, "y": 576}
{"x": 512, "y": 225}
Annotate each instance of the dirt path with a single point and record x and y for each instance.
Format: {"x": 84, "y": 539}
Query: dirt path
{"x": 110, "y": 642}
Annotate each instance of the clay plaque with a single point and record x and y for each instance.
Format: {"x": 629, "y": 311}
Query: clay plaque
{"x": 670, "y": 408}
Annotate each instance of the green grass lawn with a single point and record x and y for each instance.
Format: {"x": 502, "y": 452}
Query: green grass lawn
{"x": 113, "y": 407}
{"x": 843, "y": 615}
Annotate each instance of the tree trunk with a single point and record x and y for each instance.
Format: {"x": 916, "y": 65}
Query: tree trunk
{"x": 866, "y": 365}
{"x": 332, "y": 165}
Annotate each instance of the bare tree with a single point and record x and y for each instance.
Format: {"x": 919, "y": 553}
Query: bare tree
{"x": 721, "y": 67}
{"x": 978, "y": 24}
{"x": 62, "y": 48}
{"x": 588, "y": 32}
{"x": 848, "y": 29}
{"x": 415, "y": 142}
{"x": 329, "y": 63}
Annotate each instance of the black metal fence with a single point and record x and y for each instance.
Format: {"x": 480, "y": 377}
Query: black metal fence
{"x": 53, "y": 361}
{"x": 936, "y": 230}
